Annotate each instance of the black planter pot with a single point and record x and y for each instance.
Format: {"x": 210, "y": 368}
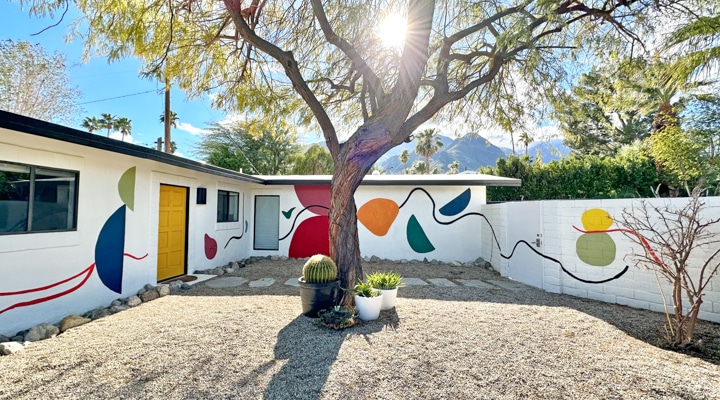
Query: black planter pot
{"x": 318, "y": 296}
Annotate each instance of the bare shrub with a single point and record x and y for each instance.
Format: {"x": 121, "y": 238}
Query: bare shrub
{"x": 668, "y": 237}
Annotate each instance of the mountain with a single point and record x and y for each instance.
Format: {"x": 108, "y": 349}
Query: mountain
{"x": 471, "y": 152}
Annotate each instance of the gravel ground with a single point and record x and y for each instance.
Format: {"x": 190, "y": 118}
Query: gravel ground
{"x": 438, "y": 343}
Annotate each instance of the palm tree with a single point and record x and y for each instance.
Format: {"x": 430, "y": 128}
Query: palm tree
{"x": 404, "y": 157}
{"x": 125, "y": 126}
{"x": 173, "y": 119}
{"x": 91, "y": 123}
{"x": 525, "y": 139}
{"x": 108, "y": 121}
{"x": 697, "y": 40}
{"x": 428, "y": 143}
{"x": 453, "y": 167}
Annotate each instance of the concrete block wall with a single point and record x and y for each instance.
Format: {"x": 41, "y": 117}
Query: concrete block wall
{"x": 637, "y": 287}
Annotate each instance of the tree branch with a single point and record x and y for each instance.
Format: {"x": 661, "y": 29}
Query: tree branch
{"x": 286, "y": 59}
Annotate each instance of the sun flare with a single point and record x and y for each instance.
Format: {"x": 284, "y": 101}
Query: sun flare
{"x": 392, "y": 31}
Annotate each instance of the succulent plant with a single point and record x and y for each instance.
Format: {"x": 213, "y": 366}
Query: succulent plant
{"x": 384, "y": 280}
{"x": 319, "y": 269}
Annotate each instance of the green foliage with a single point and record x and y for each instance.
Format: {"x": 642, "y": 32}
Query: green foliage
{"x": 428, "y": 143}
{"x": 35, "y": 83}
{"x": 629, "y": 174}
{"x": 319, "y": 269}
{"x": 337, "y": 317}
{"x": 316, "y": 160}
{"x": 236, "y": 147}
{"x": 365, "y": 289}
{"x": 679, "y": 154}
{"x": 384, "y": 280}
{"x": 605, "y": 110}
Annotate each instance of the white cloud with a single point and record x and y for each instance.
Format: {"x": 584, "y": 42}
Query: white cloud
{"x": 118, "y": 136}
{"x": 189, "y": 128}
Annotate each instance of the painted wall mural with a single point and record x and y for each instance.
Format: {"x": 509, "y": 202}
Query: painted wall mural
{"x": 312, "y": 235}
{"x": 109, "y": 253}
{"x": 242, "y": 231}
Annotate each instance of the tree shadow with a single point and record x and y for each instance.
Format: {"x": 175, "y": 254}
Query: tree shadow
{"x": 308, "y": 352}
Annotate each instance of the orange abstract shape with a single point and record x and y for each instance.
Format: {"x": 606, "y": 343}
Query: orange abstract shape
{"x": 596, "y": 219}
{"x": 377, "y": 215}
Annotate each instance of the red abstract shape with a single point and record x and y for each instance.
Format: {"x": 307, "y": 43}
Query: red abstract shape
{"x": 88, "y": 271}
{"x": 210, "y": 247}
{"x": 315, "y": 195}
{"x": 311, "y": 237}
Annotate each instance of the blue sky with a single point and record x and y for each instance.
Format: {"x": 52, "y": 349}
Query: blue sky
{"x": 99, "y": 80}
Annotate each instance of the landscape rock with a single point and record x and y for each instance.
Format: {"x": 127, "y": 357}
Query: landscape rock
{"x": 116, "y": 303}
{"x": 163, "y": 290}
{"x": 425, "y": 260}
{"x": 218, "y": 271}
{"x": 17, "y": 338}
{"x": 403, "y": 261}
{"x": 141, "y": 291}
{"x": 150, "y": 295}
{"x": 133, "y": 301}
{"x": 274, "y": 258}
{"x": 237, "y": 265}
{"x": 374, "y": 259}
{"x": 456, "y": 264}
{"x": 72, "y": 321}
{"x": 117, "y": 309}
{"x": 228, "y": 270}
{"x": 283, "y": 258}
{"x": 41, "y": 332}
{"x": 7, "y": 348}
{"x": 4, "y": 339}
{"x": 97, "y": 313}
{"x": 434, "y": 262}
{"x": 185, "y": 286}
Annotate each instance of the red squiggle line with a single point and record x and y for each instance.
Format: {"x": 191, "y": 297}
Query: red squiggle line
{"x": 642, "y": 240}
{"x": 89, "y": 270}
{"x": 135, "y": 258}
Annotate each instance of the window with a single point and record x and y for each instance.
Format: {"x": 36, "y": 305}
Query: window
{"x": 227, "y": 209}
{"x": 37, "y": 199}
{"x": 267, "y": 222}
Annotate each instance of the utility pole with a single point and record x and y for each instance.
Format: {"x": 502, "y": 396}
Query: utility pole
{"x": 168, "y": 118}
{"x": 158, "y": 144}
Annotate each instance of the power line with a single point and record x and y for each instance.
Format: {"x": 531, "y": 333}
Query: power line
{"x": 118, "y": 97}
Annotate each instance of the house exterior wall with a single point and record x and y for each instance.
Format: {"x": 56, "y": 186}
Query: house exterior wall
{"x": 30, "y": 262}
{"x": 417, "y": 230}
{"x": 636, "y": 287}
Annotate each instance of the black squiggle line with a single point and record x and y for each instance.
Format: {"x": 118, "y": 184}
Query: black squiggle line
{"x": 296, "y": 217}
{"x": 497, "y": 242}
{"x": 244, "y": 226}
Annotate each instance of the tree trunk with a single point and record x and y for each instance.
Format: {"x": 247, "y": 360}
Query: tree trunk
{"x": 168, "y": 117}
{"x": 344, "y": 241}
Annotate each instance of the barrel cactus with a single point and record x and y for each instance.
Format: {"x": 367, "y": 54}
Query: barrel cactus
{"x": 319, "y": 269}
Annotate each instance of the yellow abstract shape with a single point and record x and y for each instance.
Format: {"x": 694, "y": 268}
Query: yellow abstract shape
{"x": 596, "y": 219}
{"x": 377, "y": 215}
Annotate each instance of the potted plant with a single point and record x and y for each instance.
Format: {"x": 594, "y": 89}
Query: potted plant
{"x": 388, "y": 283}
{"x": 337, "y": 318}
{"x": 319, "y": 285}
{"x": 367, "y": 300}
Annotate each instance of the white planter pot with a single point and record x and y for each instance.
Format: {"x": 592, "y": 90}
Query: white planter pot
{"x": 389, "y": 296}
{"x": 368, "y": 308}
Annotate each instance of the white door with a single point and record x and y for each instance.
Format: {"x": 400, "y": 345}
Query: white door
{"x": 525, "y": 224}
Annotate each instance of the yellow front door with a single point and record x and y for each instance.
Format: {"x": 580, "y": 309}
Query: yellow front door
{"x": 172, "y": 232}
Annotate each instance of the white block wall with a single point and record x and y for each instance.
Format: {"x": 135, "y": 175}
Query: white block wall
{"x": 637, "y": 288}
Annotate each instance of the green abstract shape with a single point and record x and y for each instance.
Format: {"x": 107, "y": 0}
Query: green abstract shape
{"x": 126, "y": 188}
{"x": 287, "y": 214}
{"x": 417, "y": 238}
{"x": 596, "y": 249}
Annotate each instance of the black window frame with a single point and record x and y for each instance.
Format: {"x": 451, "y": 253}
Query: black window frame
{"x": 223, "y": 217}
{"x": 31, "y": 199}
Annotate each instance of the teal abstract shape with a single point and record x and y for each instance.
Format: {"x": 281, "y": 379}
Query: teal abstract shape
{"x": 287, "y": 214}
{"x": 456, "y": 205}
{"x": 417, "y": 238}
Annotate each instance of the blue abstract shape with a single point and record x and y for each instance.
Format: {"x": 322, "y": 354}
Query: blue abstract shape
{"x": 417, "y": 238}
{"x": 456, "y": 205}
{"x": 109, "y": 250}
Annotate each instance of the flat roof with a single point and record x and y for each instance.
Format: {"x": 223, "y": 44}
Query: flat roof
{"x": 398, "y": 180}
{"x": 50, "y": 130}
